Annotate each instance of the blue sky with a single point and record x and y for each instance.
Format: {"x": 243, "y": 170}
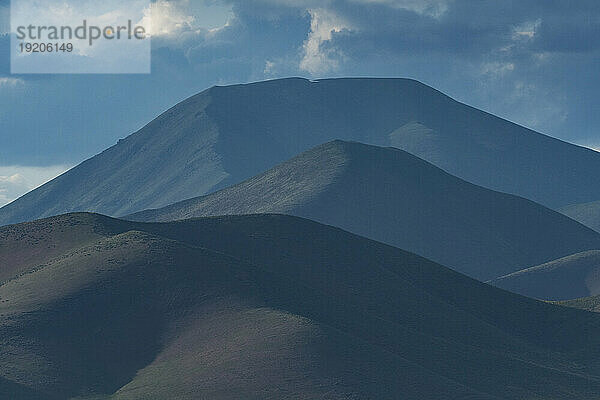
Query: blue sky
{"x": 532, "y": 62}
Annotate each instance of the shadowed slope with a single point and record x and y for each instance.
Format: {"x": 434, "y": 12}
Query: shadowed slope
{"x": 270, "y": 306}
{"x": 571, "y": 277}
{"x": 227, "y": 134}
{"x": 394, "y": 197}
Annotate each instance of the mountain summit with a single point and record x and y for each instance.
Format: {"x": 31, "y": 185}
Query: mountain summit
{"x": 227, "y": 134}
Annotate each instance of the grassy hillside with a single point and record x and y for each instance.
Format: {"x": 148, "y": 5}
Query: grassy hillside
{"x": 227, "y": 134}
{"x": 270, "y": 307}
{"x": 571, "y": 277}
{"x": 394, "y": 197}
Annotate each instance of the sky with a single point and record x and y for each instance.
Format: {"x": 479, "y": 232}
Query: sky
{"x": 534, "y": 62}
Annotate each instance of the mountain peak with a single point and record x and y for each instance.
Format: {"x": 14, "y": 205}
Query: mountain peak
{"x": 227, "y": 134}
{"x": 397, "y": 198}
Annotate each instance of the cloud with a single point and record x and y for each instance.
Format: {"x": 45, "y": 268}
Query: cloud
{"x": 532, "y": 61}
{"x": 11, "y": 187}
{"x": 523, "y": 60}
{"x": 432, "y": 8}
{"x": 495, "y": 69}
{"x": 184, "y": 20}
{"x": 10, "y": 82}
{"x": 526, "y": 30}
{"x": 15, "y": 181}
{"x": 317, "y": 58}
{"x": 165, "y": 17}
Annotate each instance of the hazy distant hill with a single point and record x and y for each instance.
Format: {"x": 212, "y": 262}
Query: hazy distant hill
{"x": 227, "y": 134}
{"x": 394, "y": 197}
{"x": 270, "y": 307}
{"x": 571, "y": 277}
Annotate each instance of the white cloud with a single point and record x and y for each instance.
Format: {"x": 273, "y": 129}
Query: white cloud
{"x": 12, "y": 186}
{"x": 497, "y": 69}
{"x": 269, "y": 66}
{"x": 549, "y": 107}
{"x": 104, "y": 56}
{"x": 432, "y": 8}
{"x": 167, "y": 17}
{"x": 10, "y": 82}
{"x": 15, "y": 181}
{"x": 316, "y": 58}
{"x": 526, "y": 30}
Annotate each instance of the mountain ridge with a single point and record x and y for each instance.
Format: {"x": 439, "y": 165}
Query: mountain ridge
{"x": 229, "y": 133}
{"x": 571, "y": 277}
{"x": 233, "y": 299}
{"x": 394, "y": 197}
{"x": 586, "y": 213}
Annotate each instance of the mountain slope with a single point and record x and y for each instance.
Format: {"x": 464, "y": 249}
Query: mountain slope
{"x": 586, "y": 213}
{"x": 591, "y": 303}
{"x": 227, "y": 134}
{"x": 394, "y": 197}
{"x": 27, "y": 245}
{"x": 571, "y": 277}
{"x": 271, "y": 306}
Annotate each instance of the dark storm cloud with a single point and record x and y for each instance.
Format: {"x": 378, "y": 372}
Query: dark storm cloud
{"x": 471, "y": 28}
{"x": 530, "y": 61}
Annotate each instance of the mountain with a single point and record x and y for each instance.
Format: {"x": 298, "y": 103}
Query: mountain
{"x": 571, "y": 277}
{"x": 591, "y": 303}
{"x": 394, "y": 197}
{"x": 270, "y": 307}
{"x": 586, "y": 213}
{"x": 227, "y": 134}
